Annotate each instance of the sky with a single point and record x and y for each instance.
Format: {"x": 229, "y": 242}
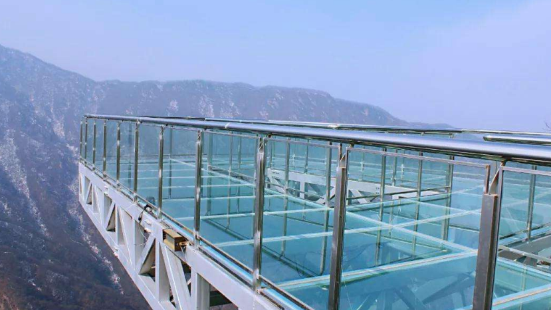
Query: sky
{"x": 471, "y": 64}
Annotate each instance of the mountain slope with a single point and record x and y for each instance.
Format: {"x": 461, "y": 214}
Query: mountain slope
{"x": 50, "y": 256}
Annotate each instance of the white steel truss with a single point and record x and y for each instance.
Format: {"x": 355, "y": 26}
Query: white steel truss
{"x": 136, "y": 238}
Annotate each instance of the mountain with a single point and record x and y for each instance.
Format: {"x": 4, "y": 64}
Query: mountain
{"x": 50, "y": 255}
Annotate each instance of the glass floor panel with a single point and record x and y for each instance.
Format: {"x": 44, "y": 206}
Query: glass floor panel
{"x": 420, "y": 255}
{"x": 445, "y": 283}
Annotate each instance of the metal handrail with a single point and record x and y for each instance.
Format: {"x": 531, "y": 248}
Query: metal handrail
{"x": 519, "y": 139}
{"x": 478, "y": 149}
{"x": 377, "y": 128}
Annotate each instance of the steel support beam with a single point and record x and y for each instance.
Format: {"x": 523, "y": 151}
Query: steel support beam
{"x": 118, "y": 160}
{"x": 94, "y": 146}
{"x": 259, "y": 213}
{"x": 198, "y": 183}
{"x": 161, "y": 166}
{"x": 86, "y": 139}
{"x": 531, "y": 197}
{"x": 488, "y": 239}
{"x": 104, "y": 155}
{"x": 338, "y": 231}
{"x": 136, "y": 155}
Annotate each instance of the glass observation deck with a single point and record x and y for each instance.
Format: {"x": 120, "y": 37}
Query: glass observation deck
{"x": 327, "y": 216}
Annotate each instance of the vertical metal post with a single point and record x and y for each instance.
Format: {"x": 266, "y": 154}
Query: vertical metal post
{"x": 259, "y": 212}
{"x": 328, "y": 158}
{"x": 449, "y": 184}
{"x": 531, "y": 197}
{"x": 80, "y": 145}
{"x": 104, "y": 155}
{"x": 198, "y": 182}
{"x": 394, "y": 169}
{"x": 338, "y": 231}
{"x": 230, "y": 159}
{"x": 118, "y": 160}
{"x": 171, "y": 137}
{"x": 239, "y": 156}
{"x": 328, "y": 175}
{"x": 136, "y": 153}
{"x": 382, "y": 182}
{"x": 161, "y": 166}
{"x": 86, "y": 139}
{"x": 488, "y": 244}
{"x": 230, "y": 156}
{"x": 210, "y": 152}
{"x": 420, "y": 177}
{"x": 417, "y": 206}
{"x": 286, "y": 193}
{"x": 362, "y": 167}
{"x": 306, "y": 157}
{"x": 382, "y": 200}
{"x": 94, "y": 146}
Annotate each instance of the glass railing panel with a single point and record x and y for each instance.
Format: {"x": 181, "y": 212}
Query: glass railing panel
{"x": 227, "y": 196}
{"x": 407, "y": 171}
{"x": 297, "y": 224}
{"x": 179, "y": 174}
{"x": 99, "y": 145}
{"x": 524, "y": 250}
{"x": 82, "y": 138}
{"x": 409, "y": 246}
{"x": 148, "y": 163}
{"x": 89, "y": 140}
{"x": 515, "y": 200}
{"x": 436, "y": 175}
{"x": 126, "y": 177}
{"x": 542, "y": 200}
{"x": 111, "y": 149}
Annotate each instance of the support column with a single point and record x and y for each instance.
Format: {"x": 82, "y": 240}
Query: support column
{"x": 338, "y": 231}
{"x": 259, "y": 213}
{"x": 136, "y": 154}
{"x": 118, "y": 152}
{"x": 198, "y": 182}
{"x": 104, "y": 155}
{"x": 94, "y": 146}
{"x": 531, "y": 197}
{"x": 488, "y": 244}
{"x": 161, "y": 166}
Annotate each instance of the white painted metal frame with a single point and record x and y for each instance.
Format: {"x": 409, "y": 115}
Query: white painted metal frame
{"x": 136, "y": 238}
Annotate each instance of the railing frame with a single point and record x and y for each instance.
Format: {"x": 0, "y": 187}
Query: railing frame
{"x": 259, "y": 212}
{"x": 490, "y": 212}
{"x": 339, "y": 219}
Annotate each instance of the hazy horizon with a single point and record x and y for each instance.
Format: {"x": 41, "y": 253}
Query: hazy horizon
{"x": 476, "y": 65}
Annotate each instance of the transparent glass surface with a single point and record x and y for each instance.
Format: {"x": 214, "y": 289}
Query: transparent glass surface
{"x": 111, "y": 149}
{"x": 542, "y": 200}
{"x": 127, "y": 146}
{"x": 515, "y": 202}
{"x": 417, "y": 215}
{"x": 148, "y": 163}
{"x": 82, "y": 139}
{"x": 179, "y": 175}
{"x": 99, "y": 145}
{"x": 228, "y": 192}
{"x": 89, "y": 140}
{"x": 443, "y": 283}
{"x": 298, "y": 221}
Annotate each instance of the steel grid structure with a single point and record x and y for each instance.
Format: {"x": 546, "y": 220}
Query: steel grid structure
{"x": 268, "y": 215}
